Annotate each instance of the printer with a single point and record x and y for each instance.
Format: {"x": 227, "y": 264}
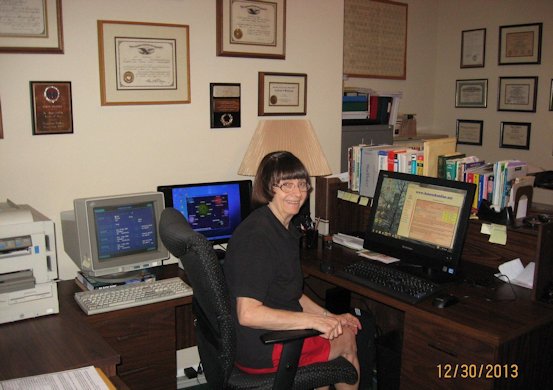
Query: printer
{"x": 28, "y": 264}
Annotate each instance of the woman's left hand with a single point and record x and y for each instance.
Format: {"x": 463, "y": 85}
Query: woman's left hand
{"x": 348, "y": 319}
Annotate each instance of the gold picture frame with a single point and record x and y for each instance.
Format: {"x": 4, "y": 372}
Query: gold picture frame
{"x": 143, "y": 63}
{"x": 251, "y": 28}
{"x": 31, "y": 27}
{"x": 282, "y": 93}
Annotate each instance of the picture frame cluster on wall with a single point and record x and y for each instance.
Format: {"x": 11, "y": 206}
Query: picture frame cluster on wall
{"x": 518, "y": 44}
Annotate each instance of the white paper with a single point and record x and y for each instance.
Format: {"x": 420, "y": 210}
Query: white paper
{"x": 86, "y": 378}
{"x": 517, "y": 273}
{"x": 377, "y": 256}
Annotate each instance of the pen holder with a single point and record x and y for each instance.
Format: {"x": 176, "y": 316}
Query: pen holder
{"x": 310, "y": 238}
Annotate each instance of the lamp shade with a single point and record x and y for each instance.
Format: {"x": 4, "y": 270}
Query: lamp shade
{"x": 292, "y": 135}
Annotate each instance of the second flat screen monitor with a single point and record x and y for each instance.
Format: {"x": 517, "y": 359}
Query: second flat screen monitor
{"x": 212, "y": 209}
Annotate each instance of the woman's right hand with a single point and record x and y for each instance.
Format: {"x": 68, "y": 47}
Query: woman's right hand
{"x": 329, "y": 326}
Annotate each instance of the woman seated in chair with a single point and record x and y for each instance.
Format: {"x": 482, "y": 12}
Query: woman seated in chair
{"x": 263, "y": 271}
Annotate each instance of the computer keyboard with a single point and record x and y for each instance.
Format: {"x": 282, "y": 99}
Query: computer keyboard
{"x": 389, "y": 280}
{"x": 130, "y": 295}
{"x": 346, "y": 240}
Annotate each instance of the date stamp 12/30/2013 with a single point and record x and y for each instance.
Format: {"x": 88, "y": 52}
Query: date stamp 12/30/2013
{"x": 477, "y": 371}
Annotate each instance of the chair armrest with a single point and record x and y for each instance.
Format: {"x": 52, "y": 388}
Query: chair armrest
{"x": 285, "y": 336}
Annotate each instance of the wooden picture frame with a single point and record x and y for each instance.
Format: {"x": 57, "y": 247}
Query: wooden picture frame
{"x": 471, "y": 93}
{"x": 251, "y": 28}
{"x": 515, "y": 135}
{"x": 143, "y": 63}
{"x": 469, "y": 132}
{"x": 282, "y": 93}
{"x": 52, "y": 107}
{"x": 374, "y": 30}
{"x": 517, "y": 94}
{"x": 520, "y": 44}
{"x": 473, "y": 48}
{"x": 31, "y": 27}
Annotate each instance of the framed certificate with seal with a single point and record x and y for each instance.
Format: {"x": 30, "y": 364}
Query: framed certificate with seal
{"x": 251, "y": 28}
{"x": 143, "y": 63}
{"x": 31, "y": 26}
{"x": 282, "y": 93}
{"x": 52, "y": 107}
{"x": 225, "y": 105}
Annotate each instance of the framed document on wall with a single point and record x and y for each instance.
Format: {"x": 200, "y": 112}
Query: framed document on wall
{"x": 52, "y": 107}
{"x": 31, "y": 26}
{"x": 143, "y": 63}
{"x": 251, "y": 28}
{"x": 517, "y": 94}
{"x": 515, "y": 135}
{"x": 520, "y": 44}
{"x": 375, "y": 39}
{"x": 282, "y": 93}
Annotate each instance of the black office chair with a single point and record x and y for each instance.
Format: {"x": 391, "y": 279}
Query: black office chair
{"x": 215, "y": 331}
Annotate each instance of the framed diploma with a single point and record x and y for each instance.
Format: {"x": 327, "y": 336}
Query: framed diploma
{"x": 520, "y": 44}
{"x": 143, "y": 63}
{"x": 282, "y": 93}
{"x": 469, "y": 132}
{"x": 225, "y": 105}
{"x": 52, "y": 107}
{"x": 471, "y": 93}
{"x": 515, "y": 135}
{"x": 473, "y": 48}
{"x": 517, "y": 94}
{"x": 31, "y": 26}
{"x": 251, "y": 28}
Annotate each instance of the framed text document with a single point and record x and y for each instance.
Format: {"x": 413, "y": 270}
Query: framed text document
{"x": 375, "y": 39}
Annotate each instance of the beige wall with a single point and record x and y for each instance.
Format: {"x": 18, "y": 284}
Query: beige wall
{"x": 135, "y": 148}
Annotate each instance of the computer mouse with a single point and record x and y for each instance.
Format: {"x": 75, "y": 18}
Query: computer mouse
{"x": 444, "y": 300}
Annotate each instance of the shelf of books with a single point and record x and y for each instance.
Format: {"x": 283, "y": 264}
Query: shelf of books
{"x": 497, "y": 182}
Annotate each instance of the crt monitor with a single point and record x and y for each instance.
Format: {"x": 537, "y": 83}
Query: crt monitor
{"x": 115, "y": 235}
{"x": 420, "y": 220}
{"x": 213, "y": 209}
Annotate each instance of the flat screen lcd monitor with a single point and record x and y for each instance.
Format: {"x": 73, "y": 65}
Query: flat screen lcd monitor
{"x": 420, "y": 220}
{"x": 212, "y": 209}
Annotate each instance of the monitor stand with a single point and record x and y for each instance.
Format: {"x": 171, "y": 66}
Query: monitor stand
{"x": 431, "y": 274}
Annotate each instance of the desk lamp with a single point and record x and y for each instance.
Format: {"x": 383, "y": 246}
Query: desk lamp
{"x": 292, "y": 135}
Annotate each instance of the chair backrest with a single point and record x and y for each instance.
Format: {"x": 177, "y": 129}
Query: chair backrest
{"x": 215, "y": 332}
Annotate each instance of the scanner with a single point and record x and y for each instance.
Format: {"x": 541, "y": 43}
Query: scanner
{"x": 28, "y": 264}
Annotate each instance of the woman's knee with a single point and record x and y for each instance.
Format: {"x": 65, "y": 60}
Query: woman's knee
{"x": 345, "y": 346}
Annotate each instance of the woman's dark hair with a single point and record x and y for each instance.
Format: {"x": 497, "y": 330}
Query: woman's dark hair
{"x": 274, "y": 167}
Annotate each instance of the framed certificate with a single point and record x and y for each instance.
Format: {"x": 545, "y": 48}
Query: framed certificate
{"x": 469, "y": 132}
{"x": 52, "y": 107}
{"x": 282, "y": 93}
{"x": 517, "y": 94}
{"x": 515, "y": 135}
{"x": 143, "y": 63}
{"x": 471, "y": 93}
{"x": 31, "y": 26}
{"x": 473, "y": 48}
{"x": 520, "y": 44}
{"x": 251, "y": 28}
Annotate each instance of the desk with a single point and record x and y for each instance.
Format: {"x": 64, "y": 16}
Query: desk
{"x": 137, "y": 344}
{"x": 477, "y": 331}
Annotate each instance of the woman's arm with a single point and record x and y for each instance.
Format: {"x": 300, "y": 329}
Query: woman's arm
{"x": 346, "y": 319}
{"x": 252, "y": 313}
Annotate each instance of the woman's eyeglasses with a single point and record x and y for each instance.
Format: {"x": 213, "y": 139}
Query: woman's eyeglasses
{"x": 290, "y": 186}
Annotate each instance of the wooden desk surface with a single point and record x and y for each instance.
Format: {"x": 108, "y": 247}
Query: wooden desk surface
{"x": 52, "y": 343}
{"x": 489, "y": 313}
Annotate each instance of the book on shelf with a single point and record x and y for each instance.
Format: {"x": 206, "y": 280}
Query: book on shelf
{"x": 432, "y": 149}
{"x": 442, "y": 159}
{"x": 87, "y": 282}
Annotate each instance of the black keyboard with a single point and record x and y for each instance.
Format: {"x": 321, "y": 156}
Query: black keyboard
{"x": 389, "y": 280}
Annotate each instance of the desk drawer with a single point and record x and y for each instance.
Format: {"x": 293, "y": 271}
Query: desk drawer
{"x": 145, "y": 339}
{"x": 437, "y": 354}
